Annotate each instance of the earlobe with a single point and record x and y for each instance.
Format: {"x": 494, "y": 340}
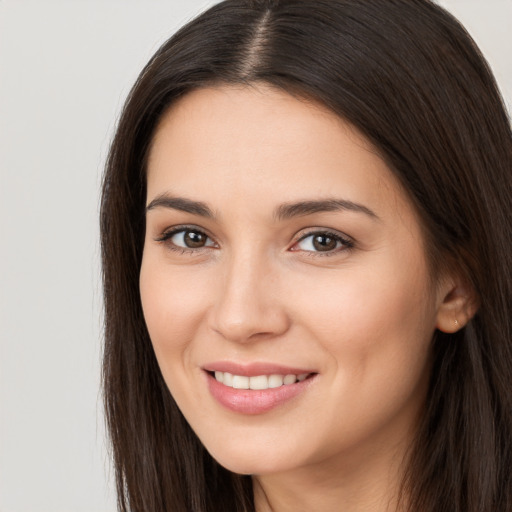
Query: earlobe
{"x": 457, "y": 305}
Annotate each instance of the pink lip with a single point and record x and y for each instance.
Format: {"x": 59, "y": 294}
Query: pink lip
{"x": 254, "y": 369}
{"x": 247, "y": 401}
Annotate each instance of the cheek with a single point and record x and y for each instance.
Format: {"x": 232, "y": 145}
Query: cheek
{"x": 365, "y": 303}
{"x": 376, "y": 332}
{"x": 173, "y": 304}
{"x": 376, "y": 323}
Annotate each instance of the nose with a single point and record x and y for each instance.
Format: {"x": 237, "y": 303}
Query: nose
{"x": 249, "y": 304}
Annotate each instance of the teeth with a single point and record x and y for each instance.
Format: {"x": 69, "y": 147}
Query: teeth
{"x": 227, "y": 379}
{"x": 275, "y": 381}
{"x": 240, "y": 382}
{"x": 259, "y": 381}
{"x": 290, "y": 379}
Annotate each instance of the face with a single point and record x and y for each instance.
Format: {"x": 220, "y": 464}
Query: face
{"x": 284, "y": 283}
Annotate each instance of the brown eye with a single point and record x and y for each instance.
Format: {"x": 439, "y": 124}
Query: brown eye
{"x": 194, "y": 239}
{"x": 187, "y": 239}
{"x": 324, "y": 242}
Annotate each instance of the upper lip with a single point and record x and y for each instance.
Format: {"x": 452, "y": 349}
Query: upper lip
{"x": 254, "y": 369}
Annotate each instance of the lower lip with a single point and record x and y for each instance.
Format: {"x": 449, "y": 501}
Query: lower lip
{"x": 248, "y": 401}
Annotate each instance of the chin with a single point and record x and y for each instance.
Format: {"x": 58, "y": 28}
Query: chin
{"x": 251, "y": 458}
{"x": 250, "y": 466}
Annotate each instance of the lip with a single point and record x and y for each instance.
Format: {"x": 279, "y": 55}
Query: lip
{"x": 252, "y": 402}
{"x": 254, "y": 369}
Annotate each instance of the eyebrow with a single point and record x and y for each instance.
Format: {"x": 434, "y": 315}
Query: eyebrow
{"x": 303, "y": 208}
{"x": 283, "y": 212}
{"x": 182, "y": 204}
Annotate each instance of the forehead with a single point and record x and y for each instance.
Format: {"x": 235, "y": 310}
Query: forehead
{"x": 256, "y": 145}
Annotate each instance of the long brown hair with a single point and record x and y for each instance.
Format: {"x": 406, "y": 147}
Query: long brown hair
{"x": 410, "y": 78}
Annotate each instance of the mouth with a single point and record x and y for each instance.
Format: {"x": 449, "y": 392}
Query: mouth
{"x": 256, "y": 389}
{"x": 258, "y": 382}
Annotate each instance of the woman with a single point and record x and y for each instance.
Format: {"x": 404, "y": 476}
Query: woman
{"x": 306, "y": 228}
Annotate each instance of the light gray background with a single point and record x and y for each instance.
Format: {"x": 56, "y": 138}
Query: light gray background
{"x": 65, "y": 69}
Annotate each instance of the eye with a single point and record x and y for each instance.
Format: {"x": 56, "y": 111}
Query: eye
{"x": 322, "y": 242}
{"x": 187, "y": 238}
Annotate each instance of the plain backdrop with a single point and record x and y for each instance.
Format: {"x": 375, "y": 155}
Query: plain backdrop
{"x": 65, "y": 69}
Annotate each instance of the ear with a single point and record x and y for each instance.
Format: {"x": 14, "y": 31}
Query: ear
{"x": 457, "y": 304}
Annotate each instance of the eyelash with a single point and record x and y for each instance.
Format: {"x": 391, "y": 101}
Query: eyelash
{"x": 346, "y": 243}
{"x": 167, "y": 235}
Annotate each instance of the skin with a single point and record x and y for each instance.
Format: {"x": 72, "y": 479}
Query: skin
{"x": 361, "y": 315}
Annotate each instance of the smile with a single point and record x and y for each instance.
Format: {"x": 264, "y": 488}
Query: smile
{"x": 265, "y": 388}
{"x": 258, "y": 382}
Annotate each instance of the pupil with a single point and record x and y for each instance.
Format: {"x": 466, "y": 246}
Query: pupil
{"x": 324, "y": 243}
{"x": 194, "y": 239}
